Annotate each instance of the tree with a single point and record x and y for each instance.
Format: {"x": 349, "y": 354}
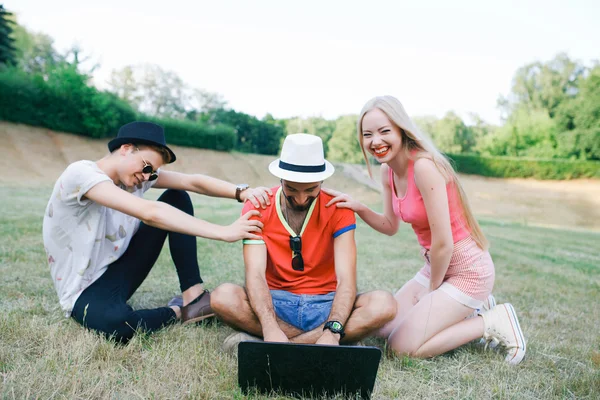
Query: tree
{"x": 254, "y": 135}
{"x": 426, "y": 124}
{"x": 344, "y": 145}
{"x": 480, "y": 131}
{"x": 35, "y": 52}
{"x": 552, "y": 111}
{"x": 452, "y": 135}
{"x": 123, "y": 83}
{"x": 157, "y": 92}
{"x": 544, "y": 86}
{"x": 75, "y": 56}
{"x": 527, "y": 133}
{"x": 151, "y": 90}
{"x": 318, "y": 126}
{"x": 7, "y": 42}
{"x": 583, "y": 140}
{"x": 203, "y": 103}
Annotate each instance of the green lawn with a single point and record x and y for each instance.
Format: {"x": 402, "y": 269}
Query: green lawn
{"x": 552, "y": 277}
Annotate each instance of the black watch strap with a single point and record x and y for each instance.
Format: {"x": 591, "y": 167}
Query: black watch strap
{"x": 335, "y": 327}
{"x": 239, "y": 189}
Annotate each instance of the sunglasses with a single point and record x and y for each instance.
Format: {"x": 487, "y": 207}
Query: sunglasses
{"x": 296, "y": 246}
{"x": 148, "y": 169}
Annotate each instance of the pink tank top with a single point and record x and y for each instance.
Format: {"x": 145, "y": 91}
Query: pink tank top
{"x": 411, "y": 209}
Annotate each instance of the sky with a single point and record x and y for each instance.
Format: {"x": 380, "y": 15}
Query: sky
{"x": 327, "y": 58}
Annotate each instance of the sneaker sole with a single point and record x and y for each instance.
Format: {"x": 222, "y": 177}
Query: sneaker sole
{"x": 198, "y": 319}
{"x": 518, "y": 332}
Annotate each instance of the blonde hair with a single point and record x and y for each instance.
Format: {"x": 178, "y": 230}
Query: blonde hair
{"x": 164, "y": 153}
{"x": 413, "y": 139}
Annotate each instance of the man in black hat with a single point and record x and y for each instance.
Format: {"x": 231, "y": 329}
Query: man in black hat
{"x": 102, "y": 238}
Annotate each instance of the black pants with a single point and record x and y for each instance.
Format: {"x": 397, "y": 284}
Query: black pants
{"x": 102, "y": 306}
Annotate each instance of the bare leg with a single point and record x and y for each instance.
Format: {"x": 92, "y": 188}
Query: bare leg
{"x": 406, "y": 298}
{"x": 434, "y": 325}
{"x": 452, "y": 337}
{"x": 192, "y": 293}
{"x": 372, "y": 310}
{"x": 177, "y": 311}
{"x": 230, "y": 302}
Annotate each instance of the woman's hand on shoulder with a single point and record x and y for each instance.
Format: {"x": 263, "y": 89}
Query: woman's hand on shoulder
{"x": 243, "y": 228}
{"x": 259, "y": 196}
{"x": 342, "y": 200}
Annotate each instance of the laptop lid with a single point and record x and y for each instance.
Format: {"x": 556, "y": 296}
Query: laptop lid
{"x": 307, "y": 369}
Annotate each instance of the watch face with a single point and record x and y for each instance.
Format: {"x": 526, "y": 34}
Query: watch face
{"x": 337, "y": 326}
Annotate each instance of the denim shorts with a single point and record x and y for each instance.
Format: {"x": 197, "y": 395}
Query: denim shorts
{"x": 304, "y": 311}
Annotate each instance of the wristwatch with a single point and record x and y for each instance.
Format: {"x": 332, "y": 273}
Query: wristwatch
{"x": 239, "y": 189}
{"x": 335, "y": 327}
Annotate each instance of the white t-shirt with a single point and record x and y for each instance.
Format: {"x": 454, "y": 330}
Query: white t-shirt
{"x": 82, "y": 237}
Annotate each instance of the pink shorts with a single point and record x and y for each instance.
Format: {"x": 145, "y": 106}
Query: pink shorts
{"x": 470, "y": 275}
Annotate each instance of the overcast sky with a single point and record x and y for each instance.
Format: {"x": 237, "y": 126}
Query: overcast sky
{"x": 327, "y": 58}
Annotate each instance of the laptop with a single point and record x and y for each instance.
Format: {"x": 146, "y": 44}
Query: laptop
{"x": 307, "y": 369}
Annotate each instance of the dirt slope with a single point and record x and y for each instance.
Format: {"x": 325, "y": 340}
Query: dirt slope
{"x": 37, "y": 156}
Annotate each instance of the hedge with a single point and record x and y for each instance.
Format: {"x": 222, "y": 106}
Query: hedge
{"x": 512, "y": 167}
{"x": 63, "y": 101}
{"x": 195, "y": 134}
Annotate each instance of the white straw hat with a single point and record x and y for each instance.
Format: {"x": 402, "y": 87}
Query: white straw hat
{"x": 302, "y": 160}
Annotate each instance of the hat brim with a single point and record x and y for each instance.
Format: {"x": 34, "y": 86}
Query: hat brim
{"x": 301, "y": 177}
{"x": 118, "y": 142}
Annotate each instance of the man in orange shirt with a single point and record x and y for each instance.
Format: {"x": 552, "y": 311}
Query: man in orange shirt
{"x": 301, "y": 276}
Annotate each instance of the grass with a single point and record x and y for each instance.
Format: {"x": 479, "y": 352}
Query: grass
{"x": 551, "y": 276}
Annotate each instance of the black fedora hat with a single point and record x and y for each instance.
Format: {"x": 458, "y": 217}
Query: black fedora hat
{"x": 142, "y": 133}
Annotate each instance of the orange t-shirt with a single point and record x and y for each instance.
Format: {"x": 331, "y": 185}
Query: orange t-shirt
{"x": 321, "y": 227}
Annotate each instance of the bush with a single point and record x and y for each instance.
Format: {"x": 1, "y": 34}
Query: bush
{"x": 512, "y": 167}
{"x": 196, "y": 134}
{"x": 19, "y": 97}
{"x": 64, "y": 102}
{"x": 253, "y": 135}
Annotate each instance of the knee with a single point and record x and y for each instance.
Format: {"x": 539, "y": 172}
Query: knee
{"x": 401, "y": 345}
{"x": 119, "y": 328}
{"x": 225, "y": 297}
{"x": 382, "y": 306}
{"x": 179, "y": 199}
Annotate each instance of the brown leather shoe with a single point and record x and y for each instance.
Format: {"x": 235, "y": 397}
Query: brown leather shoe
{"x": 197, "y": 310}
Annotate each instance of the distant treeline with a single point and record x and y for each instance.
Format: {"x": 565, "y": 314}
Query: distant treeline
{"x": 551, "y": 114}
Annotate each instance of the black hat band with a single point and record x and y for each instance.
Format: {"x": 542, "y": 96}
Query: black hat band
{"x": 301, "y": 168}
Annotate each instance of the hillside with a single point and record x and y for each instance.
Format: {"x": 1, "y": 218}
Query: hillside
{"x": 37, "y": 156}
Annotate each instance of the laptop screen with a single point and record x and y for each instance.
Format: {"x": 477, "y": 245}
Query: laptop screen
{"x": 307, "y": 369}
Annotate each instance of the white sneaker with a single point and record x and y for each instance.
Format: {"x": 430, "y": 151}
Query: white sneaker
{"x": 487, "y": 305}
{"x": 502, "y": 326}
{"x": 230, "y": 344}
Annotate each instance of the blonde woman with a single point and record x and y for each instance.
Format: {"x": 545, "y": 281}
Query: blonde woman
{"x": 421, "y": 188}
